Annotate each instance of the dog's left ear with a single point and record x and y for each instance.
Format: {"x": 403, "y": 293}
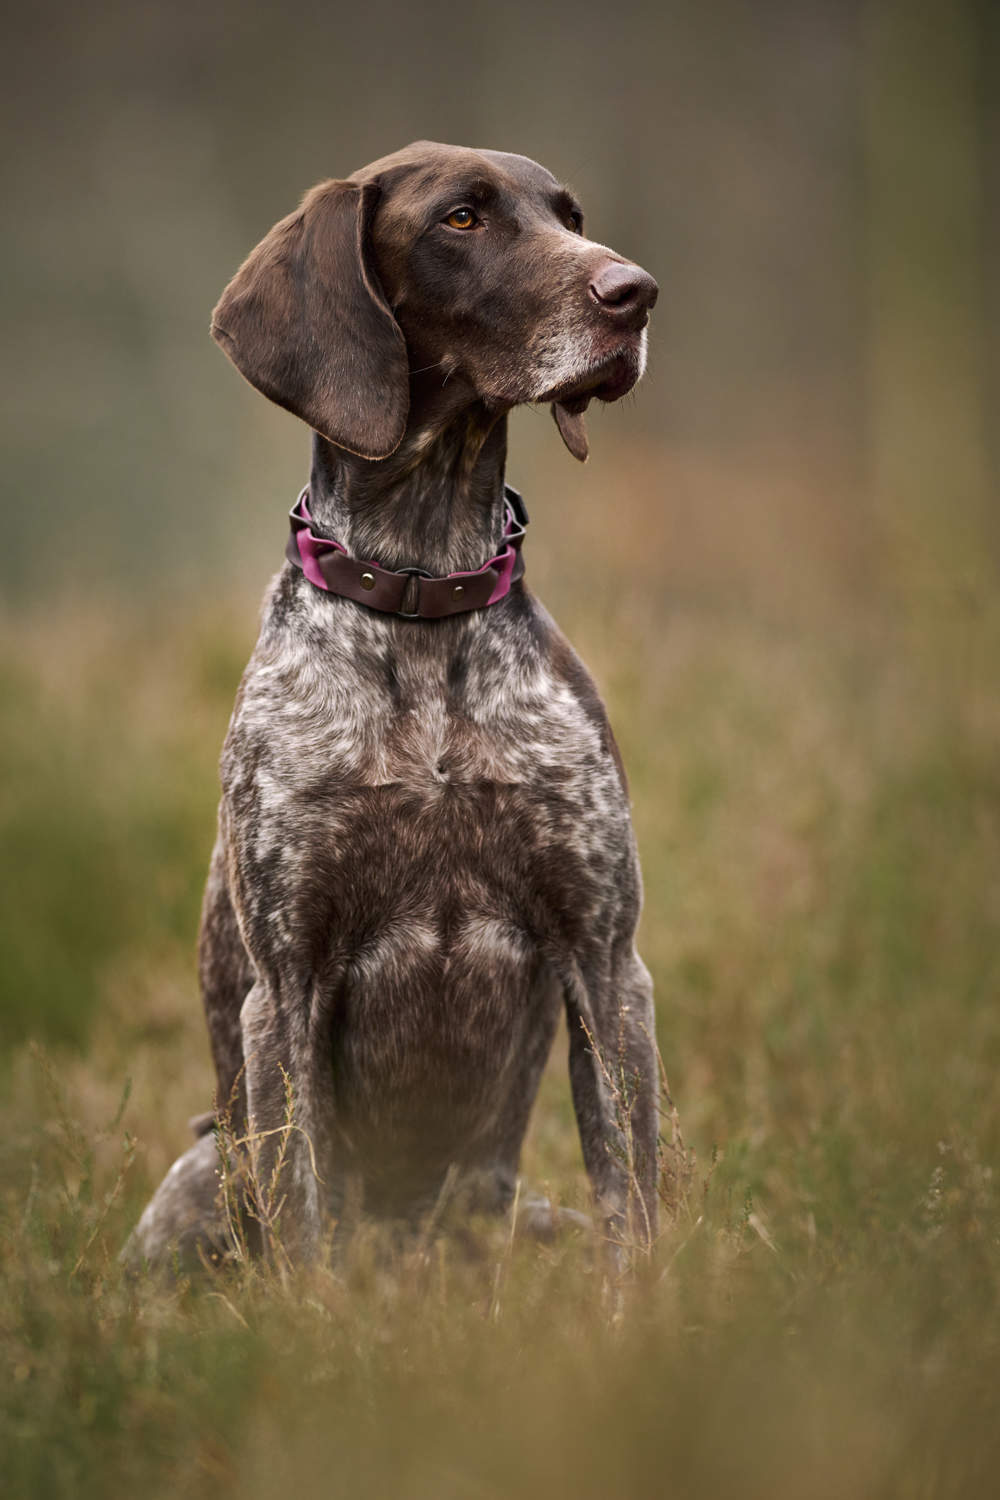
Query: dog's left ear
{"x": 306, "y": 322}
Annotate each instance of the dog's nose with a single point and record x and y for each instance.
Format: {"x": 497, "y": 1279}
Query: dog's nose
{"x": 624, "y": 291}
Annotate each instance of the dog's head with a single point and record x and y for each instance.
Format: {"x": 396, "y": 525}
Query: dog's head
{"x": 466, "y": 266}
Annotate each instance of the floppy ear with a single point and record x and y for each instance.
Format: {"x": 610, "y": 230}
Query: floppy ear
{"x": 305, "y": 321}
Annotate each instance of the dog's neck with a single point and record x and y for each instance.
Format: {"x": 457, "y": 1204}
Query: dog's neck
{"x": 436, "y": 503}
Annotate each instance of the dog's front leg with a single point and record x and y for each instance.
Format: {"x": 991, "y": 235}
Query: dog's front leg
{"x": 614, "y": 1076}
{"x": 278, "y": 1144}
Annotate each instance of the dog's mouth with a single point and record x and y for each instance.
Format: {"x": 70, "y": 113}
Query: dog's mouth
{"x": 608, "y": 379}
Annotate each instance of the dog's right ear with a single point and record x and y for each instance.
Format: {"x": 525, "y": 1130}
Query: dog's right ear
{"x": 305, "y": 321}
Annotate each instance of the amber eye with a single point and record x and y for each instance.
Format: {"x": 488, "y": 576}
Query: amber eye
{"x": 461, "y": 218}
{"x": 574, "y": 222}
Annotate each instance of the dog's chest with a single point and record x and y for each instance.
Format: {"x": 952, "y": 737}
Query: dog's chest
{"x": 373, "y": 706}
{"x": 390, "y": 770}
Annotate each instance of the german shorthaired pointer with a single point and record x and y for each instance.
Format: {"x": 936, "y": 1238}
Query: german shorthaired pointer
{"x": 424, "y": 844}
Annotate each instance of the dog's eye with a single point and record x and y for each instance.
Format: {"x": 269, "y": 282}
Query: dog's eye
{"x": 462, "y": 218}
{"x": 574, "y": 222}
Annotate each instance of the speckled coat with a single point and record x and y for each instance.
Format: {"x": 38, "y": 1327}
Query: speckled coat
{"x": 424, "y": 848}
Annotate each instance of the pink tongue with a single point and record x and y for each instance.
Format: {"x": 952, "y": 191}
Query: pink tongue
{"x": 572, "y": 429}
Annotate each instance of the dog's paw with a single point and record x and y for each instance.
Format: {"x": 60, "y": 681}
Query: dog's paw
{"x": 183, "y": 1228}
{"x": 538, "y": 1219}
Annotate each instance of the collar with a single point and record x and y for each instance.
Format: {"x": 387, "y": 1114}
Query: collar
{"x": 326, "y": 565}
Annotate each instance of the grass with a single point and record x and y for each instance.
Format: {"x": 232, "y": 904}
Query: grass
{"x": 817, "y": 796}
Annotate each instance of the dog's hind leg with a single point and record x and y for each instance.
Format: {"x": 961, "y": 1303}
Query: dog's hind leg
{"x": 184, "y": 1227}
{"x": 226, "y": 973}
{"x": 185, "y": 1223}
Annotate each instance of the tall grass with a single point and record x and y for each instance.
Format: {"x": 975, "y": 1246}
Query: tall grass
{"x": 817, "y": 797}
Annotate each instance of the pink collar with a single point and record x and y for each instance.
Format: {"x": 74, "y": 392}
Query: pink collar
{"x": 326, "y": 565}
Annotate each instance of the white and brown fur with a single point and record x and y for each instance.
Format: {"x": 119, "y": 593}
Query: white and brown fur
{"x": 424, "y": 848}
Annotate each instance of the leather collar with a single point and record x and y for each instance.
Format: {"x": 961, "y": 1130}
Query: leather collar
{"x": 326, "y": 565}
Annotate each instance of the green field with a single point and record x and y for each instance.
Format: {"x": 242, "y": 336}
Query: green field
{"x": 782, "y": 563}
{"x": 816, "y": 781}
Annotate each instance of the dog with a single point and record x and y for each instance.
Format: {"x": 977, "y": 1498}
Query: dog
{"x": 424, "y": 847}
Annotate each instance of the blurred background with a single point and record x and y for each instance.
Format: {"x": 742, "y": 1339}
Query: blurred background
{"x": 802, "y": 499}
{"x": 809, "y": 182}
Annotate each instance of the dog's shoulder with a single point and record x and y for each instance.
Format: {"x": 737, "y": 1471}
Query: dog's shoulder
{"x": 570, "y": 672}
